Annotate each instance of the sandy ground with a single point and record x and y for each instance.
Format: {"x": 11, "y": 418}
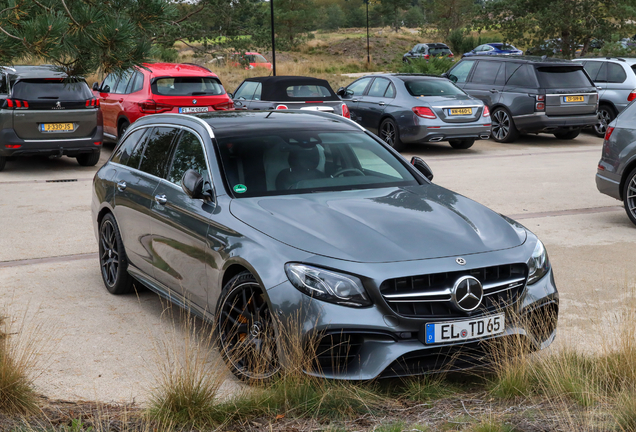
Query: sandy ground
{"x": 103, "y": 347}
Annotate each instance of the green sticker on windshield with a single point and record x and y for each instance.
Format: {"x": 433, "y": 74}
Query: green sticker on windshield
{"x": 239, "y": 188}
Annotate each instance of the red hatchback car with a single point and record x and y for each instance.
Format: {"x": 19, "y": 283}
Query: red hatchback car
{"x": 158, "y": 88}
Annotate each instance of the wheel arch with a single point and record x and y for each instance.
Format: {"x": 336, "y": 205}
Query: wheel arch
{"x": 628, "y": 169}
{"x": 102, "y": 213}
{"x": 122, "y": 118}
{"x": 609, "y": 103}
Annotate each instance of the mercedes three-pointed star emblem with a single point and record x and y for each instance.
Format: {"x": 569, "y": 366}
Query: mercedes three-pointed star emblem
{"x": 467, "y": 293}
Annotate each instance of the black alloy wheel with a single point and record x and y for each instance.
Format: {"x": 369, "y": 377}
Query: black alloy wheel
{"x": 89, "y": 159}
{"x": 629, "y": 196}
{"x": 112, "y": 258}
{"x": 605, "y": 115}
{"x": 390, "y": 134}
{"x": 503, "y": 127}
{"x": 245, "y": 330}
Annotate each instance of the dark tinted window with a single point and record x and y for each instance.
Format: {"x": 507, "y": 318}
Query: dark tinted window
{"x": 188, "y": 155}
{"x": 462, "y": 70}
{"x": 431, "y": 87}
{"x": 123, "y": 82}
{"x": 615, "y": 73}
{"x": 485, "y": 72}
{"x": 126, "y": 148}
{"x": 157, "y": 151}
{"x": 137, "y": 150}
{"x": 390, "y": 91}
{"x": 110, "y": 82}
{"x": 3, "y": 83}
{"x": 378, "y": 88}
{"x": 602, "y": 73}
{"x": 511, "y": 68}
{"x": 187, "y": 86}
{"x": 562, "y": 77}
{"x": 51, "y": 90}
{"x": 522, "y": 77}
{"x": 136, "y": 83}
{"x": 592, "y": 68}
{"x": 358, "y": 87}
{"x": 305, "y": 91}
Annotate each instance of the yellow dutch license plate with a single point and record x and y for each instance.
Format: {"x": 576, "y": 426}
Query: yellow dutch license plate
{"x": 461, "y": 111}
{"x": 574, "y": 99}
{"x": 57, "y": 127}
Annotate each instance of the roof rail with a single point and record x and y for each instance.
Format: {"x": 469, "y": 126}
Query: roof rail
{"x": 198, "y": 65}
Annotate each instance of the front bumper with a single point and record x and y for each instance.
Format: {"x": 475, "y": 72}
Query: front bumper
{"x": 384, "y": 344}
{"x": 444, "y": 132}
{"x": 540, "y": 122}
{"x": 49, "y": 147}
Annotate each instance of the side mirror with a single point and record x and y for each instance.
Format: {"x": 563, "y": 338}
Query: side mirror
{"x": 341, "y": 91}
{"x": 422, "y": 167}
{"x": 96, "y": 86}
{"x": 349, "y": 93}
{"x": 231, "y": 95}
{"x": 192, "y": 184}
{"x": 105, "y": 89}
{"x": 452, "y": 77}
{"x": 445, "y": 75}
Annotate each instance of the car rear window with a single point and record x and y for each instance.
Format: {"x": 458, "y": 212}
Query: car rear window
{"x": 562, "y": 77}
{"x": 439, "y": 51}
{"x": 51, "y": 89}
{"x": 187, "y": 86}
{"x": 255, "y": 58}
{"x": 305, "y": 91}
{"x": 432, "y": 87}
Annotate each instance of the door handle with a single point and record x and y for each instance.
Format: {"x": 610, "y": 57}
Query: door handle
{"x": 121, "y": 100}
{"x": 494, "y": 91}
{"x": 381, "y": 103}
{"x": 121, "y": 186}
{"x": 161, "y": 199}
{"x": 354, "y": 100}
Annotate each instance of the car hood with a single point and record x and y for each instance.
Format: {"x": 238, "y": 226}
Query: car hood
{"x": 380, "y": 225}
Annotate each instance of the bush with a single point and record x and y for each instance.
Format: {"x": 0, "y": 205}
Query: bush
{"x": 434, "y": 66}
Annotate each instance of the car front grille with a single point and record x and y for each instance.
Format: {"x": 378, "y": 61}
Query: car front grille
{"x": 429, "y": 296}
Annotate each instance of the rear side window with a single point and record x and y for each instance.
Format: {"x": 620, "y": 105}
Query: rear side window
{"x": 187, "y": 86}
{"x": 378, "y": 88}
{"x": 136, "y": 83}
{"x": 562, "y": 77}
{"x": 485, "y": 72}
{"x": 188, "y": 155}
{"x": 51, "y": 89}
{"x": 615, "y": 73}
{"x": 125, "y": 150}
{"x": 155, "y": 157}
{"x": 522, "y": 77}
{"x": 592, "y": 68}
{"x": 432, "y": 87}
{"x": 305, "y": 91}
{"x": 123, "y": 82}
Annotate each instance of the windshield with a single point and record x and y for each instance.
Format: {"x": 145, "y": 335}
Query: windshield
{"x": 187, "y": 86}
{"x": 51, "y": 89}
{"x": 432, "y": 87}
{"x": 563, "y": 77}
{"x": 255, "y": 58}
{"x": 292, "y": 162}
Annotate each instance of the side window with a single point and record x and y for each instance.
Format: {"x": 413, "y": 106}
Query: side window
{"x": 390, "y": 92}
{"x": 485, "y": 72}
{"x": 3, "y": 84}
{"x": 246, "y": 90}
{"x": 462, "y": 70}
{"x": 109, "y": 82}
{"x": 521, "y": 78}
{"x": 125, "y": 150}
{"x": 188, "y": 155}
{"x": 156, "y": 154}
{"x": 358, "y": 87}
{"x": 602, "y": 73}
{"x": 592, "y": 68}
{"x": 135, "y": 155}
{"x": 257, "y": 92}
{"x": 511, "y": 68}
{"x": 379, "y": 87}
{"x": 136, "y": 83}
{"x": 123, "y": 82}
{"x": 615, "y": 73}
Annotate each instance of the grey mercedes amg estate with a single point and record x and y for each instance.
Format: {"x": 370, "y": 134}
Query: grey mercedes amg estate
{"x": 272, "y": 222}
{"x": 44, "y": 113}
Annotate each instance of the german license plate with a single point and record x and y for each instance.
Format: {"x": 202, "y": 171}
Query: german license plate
{"x": 574, "y": 99}
{"x": 463, "y": 330}
{"x": 57, "y": 127}
{"x": 460, "y": 111}
{"x": 190, "y": 110}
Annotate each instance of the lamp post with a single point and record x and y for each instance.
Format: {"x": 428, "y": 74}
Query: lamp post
{"x": 368, "y": 55}
{"x": 271, "y": 7}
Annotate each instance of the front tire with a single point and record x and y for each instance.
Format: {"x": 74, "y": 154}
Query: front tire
{"x": 3, "y": 162}
{"x": 89, "y": 159}
{"x": 112, "y": 258}
{"x": 390, "y": 134}
{"x": 461, "y": 144}
{"x": 245, "y": 330}
{"x": 606, "y": 115}
{"x": 503, "y": 127}
{"x": 569, "y": 135}
{"x": 629, "y": 196}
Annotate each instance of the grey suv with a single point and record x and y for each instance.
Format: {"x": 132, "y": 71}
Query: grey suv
{"x": 529, "y": 94}
{"x": 43, "y": 112}
{"x": 616, "y": 83}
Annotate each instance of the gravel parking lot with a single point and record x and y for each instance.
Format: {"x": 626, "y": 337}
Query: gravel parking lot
{"x": 99, "y": 346}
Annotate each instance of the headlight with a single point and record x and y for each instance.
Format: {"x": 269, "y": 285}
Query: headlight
{"x": 538, "y": 264}
{"x": 326, "y": 285}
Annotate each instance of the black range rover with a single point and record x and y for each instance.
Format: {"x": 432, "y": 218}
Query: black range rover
{"x": 43, "y": 112}
{"x": 530, "y": 94}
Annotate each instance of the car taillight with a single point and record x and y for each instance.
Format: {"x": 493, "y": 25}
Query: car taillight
{"x": 486, "y": 111}
{"x": 16, "y": 103}
{"x": 451, "y": 55}
{"x": 345, "y": 111}
{"x": 13, "y": 146}
{"x": 281, "y": 107}
{"x": 631, "y": 96}
{"x": 149, "y": 106}
{"x": 540, "y": 98}
{"x": 608, "y": 133}
{"x": 424, "y": 112}
{"x": 92, "y": 103}
{"x": 426, "y": 56}
{"x": 224, "y": 106}
{"x": 540, "y": 106}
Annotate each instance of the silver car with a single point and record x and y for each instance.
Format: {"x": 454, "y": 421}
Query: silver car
{"x": 616, "y": 83}
{"x": 413, "y": 108}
